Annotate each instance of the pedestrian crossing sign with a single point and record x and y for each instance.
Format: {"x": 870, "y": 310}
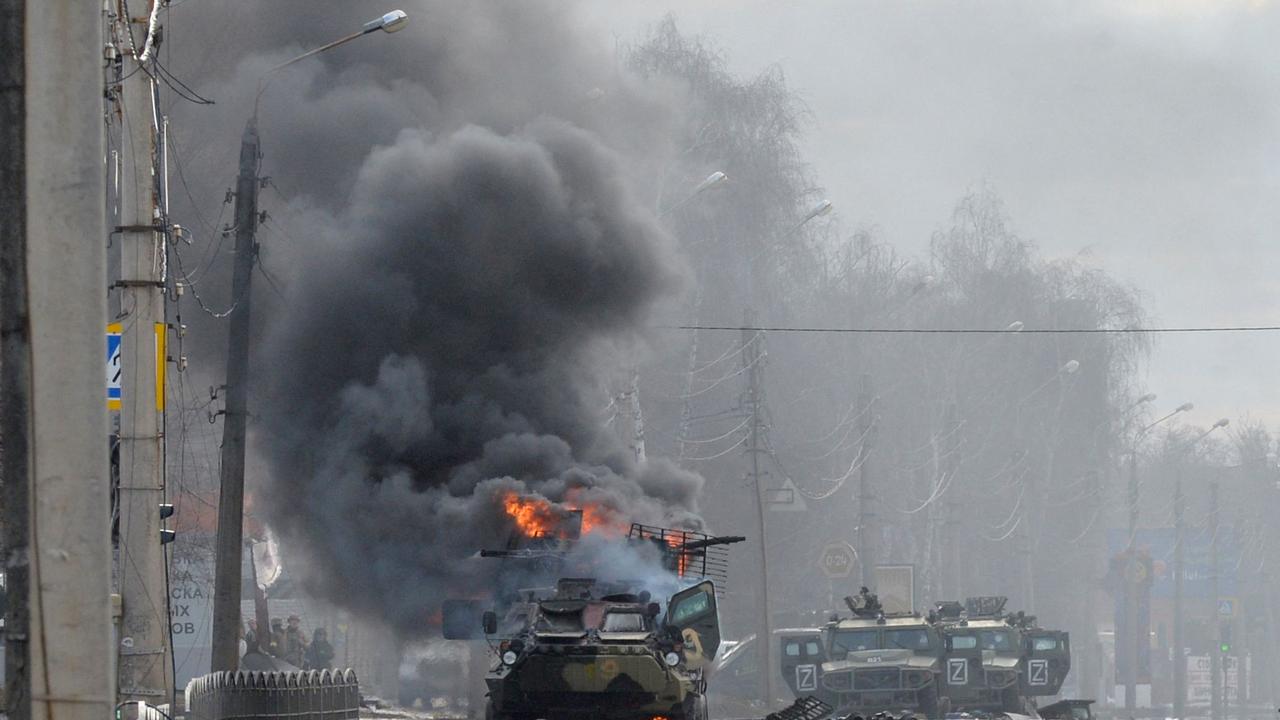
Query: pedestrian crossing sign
{"x": 115, "y": 365}
{"x": 114, "y": 331}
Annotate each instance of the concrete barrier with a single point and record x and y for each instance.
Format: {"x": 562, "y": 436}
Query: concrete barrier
{"x": 302, "y": 695}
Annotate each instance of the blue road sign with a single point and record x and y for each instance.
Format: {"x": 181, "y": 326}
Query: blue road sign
{"x": 1197, "y": 559}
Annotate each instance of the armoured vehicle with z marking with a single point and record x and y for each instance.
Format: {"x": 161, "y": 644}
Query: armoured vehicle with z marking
{"x": 971, "y": 657}
{"x": 996, "y": 661}
{"x": 869, "y": 662}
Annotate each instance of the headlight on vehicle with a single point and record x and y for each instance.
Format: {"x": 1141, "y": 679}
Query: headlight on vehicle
{"x": 671, "y": 659}
{"x": 509, "y": 657}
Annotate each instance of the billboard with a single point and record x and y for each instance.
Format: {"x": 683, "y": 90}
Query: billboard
{"x": 1197, "y": 559}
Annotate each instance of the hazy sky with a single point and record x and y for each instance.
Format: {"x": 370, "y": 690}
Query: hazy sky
{"x": 1141, "y": 135}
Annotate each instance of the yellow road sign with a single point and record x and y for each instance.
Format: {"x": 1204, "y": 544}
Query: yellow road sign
{"x": 115, "y": 365}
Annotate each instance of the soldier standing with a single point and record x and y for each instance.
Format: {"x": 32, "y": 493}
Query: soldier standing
{"x": 276, "y": 643}
{"x": 295, "y": 643}
{"x": 251, "y": 636}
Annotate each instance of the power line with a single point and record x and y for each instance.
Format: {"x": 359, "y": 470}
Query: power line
{"x": 977, "y": 331}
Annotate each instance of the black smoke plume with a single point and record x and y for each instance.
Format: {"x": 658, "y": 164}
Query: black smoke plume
{"x": 464, "y": 267}
{"x": 451, "y": 341}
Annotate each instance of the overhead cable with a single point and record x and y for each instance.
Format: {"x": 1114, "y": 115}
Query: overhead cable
{"x": 978, "y": 331}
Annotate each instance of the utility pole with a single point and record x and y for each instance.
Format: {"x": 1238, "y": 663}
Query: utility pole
{"x": 53, "y": 416}
{"x": 1131, "y": 592}
{"x": 15, "y": 359}
{"x": 951, "y": 520}
{"x": 753, "y": 402}
{"x": 627, "y": 408}
{"x": 230, "y": 545}
{"x": 1215, "y": 659}
{"x": 867, "y": 528}
{"x": 686, "y": 408}
{"x": 226, "y": 590}
{"x": 144, "y": 653}
{"x": 1179, "y": 643}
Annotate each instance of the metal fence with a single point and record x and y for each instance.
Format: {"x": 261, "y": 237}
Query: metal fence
{"x": 309, "y": 695}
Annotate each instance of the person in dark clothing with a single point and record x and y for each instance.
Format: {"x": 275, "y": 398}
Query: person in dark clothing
{"x": 320, "y": 652}
{"x": 275, "y": 647}
{"x": 251, "y": 636}
{"x": 295, "y": 642}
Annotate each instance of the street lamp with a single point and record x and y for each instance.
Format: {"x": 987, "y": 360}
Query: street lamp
{"x": 822, "y": 208}
{"x": 1179, "y": 658}
{"x": 1070, "y": 367}
{"x": 226, "y": 592}
{"x": 764, "y": 629}
{"x": 394, "y": 21}
{"x": 1131, "y": 586}
{"x": 712, "y": 180}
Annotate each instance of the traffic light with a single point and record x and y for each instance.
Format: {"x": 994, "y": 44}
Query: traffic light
{"x": 1224, "y": 636}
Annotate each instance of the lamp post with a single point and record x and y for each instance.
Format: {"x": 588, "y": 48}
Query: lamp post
{"x": 1133, "y": 640}
{"x": 753, "y": 354}
{"x": 1070, "y": 367}
{"x": 226, "y": 592}
{"x": 627, "y": 402}
{"x": 1179, "y": 657}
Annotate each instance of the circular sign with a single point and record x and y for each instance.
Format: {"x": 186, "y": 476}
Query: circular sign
{"x": 837, "y": 560}
{"x": 1136, "y": 572}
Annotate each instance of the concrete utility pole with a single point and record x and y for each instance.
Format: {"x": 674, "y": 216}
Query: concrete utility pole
{"x": 1215, "y": 659}
{"x": 753, "y": 403}
{"x": 15, "y": 358}
{"x": 144, "y": 651}
{"x": 226, "y": 590}
{"x": 951, "y": 516}
{"x": 230, "y": 550}
{"x": 630, "y": 418}
{"x": 1131, "y": 593}
{"x": 867, "y": 528}
{"x": 1179, "y": 642}
{"x": 1179, "y": 573}
{"x": 53, "y": 416}
{"x": 1135, "y": 639}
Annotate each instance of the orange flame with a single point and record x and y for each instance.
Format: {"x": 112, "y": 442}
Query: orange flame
{"x": 538, "y": 517}
{"x": 682, "y": 559}
{"x": 534, "y": 517}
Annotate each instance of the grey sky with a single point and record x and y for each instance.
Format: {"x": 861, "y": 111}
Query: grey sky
{"x": 1141, "y": 135}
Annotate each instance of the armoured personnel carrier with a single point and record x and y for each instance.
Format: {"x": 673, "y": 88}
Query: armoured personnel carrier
{"x": 603, "y": 650}
{"x": 595, "y": 648}
{"x": 995, "y": 661}
{"x": 869, "y": 662}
